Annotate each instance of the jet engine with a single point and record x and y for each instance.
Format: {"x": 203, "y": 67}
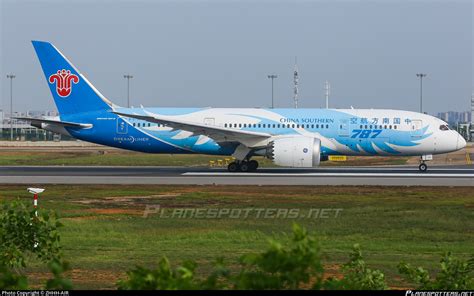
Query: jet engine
{"x": 299, "y": 151}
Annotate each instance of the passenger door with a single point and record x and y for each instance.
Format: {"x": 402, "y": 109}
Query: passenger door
{"x": 209, "y": 121}
{"x": 416, "y": 128}
{"x": 343, "y": 128}
{"x": 122, "y": 126}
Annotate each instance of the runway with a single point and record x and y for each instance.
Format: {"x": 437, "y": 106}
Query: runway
{"x": 386, "y": 176}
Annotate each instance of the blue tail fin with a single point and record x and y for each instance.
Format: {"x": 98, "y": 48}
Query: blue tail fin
{"x": 72, "y": 92}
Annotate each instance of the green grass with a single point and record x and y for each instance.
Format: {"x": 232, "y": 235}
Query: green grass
{"x": 109, "y": 158}
{"x": 127, "y": 158}
{"x": 105, "y": 233}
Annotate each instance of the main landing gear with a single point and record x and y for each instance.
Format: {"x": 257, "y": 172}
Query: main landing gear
{"x": 243, "y": 166}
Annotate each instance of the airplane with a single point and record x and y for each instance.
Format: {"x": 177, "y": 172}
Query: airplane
{"x": 289, "y": 137}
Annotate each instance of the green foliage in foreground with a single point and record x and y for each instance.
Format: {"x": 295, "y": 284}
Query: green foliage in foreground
{"x": 454, "y": 274}
{"x": 10, "y": 280}
{"x": 357, "y": 275}
{"x": 295, "y": 266}
{"x": 23, "y": 235}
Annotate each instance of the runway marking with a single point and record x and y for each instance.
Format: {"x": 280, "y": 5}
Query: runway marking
{"x": 391, "y": 168}
{"x": 227, "y": 174}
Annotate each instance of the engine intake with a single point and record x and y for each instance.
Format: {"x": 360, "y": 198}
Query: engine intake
{"x": 299, "y": 151}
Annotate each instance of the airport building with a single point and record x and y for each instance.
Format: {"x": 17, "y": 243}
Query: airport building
{"x": 23, "y": 131}
{"x": 454, "y": 117}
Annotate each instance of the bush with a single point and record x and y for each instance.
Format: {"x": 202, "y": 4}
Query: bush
{"x": 454, "y": 274}
{"x": 23, "y": 234}
{"x": 11, "y": 281}
{"x": 357, "y": 276}
{"x": 291, "y": 267}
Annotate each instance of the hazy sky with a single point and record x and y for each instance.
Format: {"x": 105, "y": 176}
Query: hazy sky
{"x": 219, "y": 53}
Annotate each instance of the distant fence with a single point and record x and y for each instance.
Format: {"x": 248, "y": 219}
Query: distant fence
{"x": 31, "y": 134}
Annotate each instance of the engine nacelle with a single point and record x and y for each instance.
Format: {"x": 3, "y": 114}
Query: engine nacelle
{"x": 298, "y": 151}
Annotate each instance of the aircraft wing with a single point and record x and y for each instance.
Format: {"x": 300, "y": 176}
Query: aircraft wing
{"x": 39, "y": 121}
{"x": 217, "y": 133}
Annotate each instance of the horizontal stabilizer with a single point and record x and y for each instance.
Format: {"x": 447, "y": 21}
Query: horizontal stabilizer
{"x": 38, "y": 121}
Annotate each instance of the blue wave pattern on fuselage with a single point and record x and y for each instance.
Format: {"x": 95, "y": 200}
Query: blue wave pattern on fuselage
{"x": 141, "y": 139}
{"x": 386, "y": 136}
{"x": 161, "y": 140}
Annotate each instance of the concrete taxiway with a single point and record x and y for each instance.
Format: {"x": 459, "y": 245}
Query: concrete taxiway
{"x": 386, "y": 176}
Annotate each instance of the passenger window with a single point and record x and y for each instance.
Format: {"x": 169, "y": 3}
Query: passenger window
{"x": 240, "y": 124}
{"x": 273, "y": 125}
{"x": 312, "y": 126}
{"x": 394, "y": 127}
{"x": 327, "y": 125}
{"x": 317, "y": 126}
{"x": 259, "y": 125}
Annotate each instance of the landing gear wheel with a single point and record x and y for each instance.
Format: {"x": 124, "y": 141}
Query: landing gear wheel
{"x": 423, "y": 167}
{"x": 253, "y": 165}
{"x": 244, "y": 166}
{"x": 233, "y": 167}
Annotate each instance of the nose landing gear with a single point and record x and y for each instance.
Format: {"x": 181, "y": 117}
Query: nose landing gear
{"x": 423, "y": 167}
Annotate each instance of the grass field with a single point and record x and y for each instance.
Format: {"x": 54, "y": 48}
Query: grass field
{"x": 127, "y": 158}
{"x": 105, "y": 232}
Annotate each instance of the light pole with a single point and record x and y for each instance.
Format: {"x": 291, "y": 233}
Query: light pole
{"x": 128, "y": 77}
{"x": 327, "y": 88}
{"x": 421, "y": 75}
{"x": 11, "y": 76}
{"x": 273, "y": 76}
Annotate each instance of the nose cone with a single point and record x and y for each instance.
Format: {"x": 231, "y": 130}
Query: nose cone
{"x": 461, "y": 143}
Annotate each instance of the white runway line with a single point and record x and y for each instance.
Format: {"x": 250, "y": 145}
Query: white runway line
{"x": 397, "y": 169}
{"x": 227, "y": 174}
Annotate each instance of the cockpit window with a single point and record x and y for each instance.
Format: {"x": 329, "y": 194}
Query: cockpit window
{"x": 444, "y": 127}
